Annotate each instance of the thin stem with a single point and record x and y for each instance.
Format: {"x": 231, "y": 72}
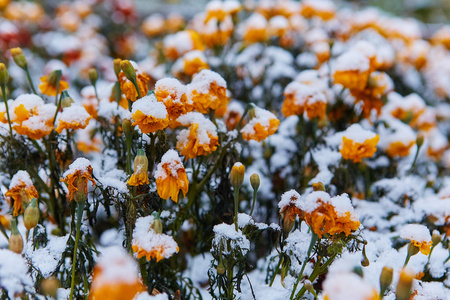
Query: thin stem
{"x": 30, "y": 81}
{"x": 253, "y": 203}
{"x": 80, "y": 207}
{"x": 129, "y": 139}
{"x": 408, "y": 256}
{"x": 137, "y": 88}
{"x": 236, "y": 203}
{"x": 7, "y": 109}
{"x": 58, "y": 107}
{"x": 280, "y": 261}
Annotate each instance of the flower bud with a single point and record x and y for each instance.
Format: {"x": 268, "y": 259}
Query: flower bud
{"x": 31, "y": 215}
{"x": 252, "y": 112}
{"x": 128, "y": 70}
{"x": 127, "y": 128}
{"x": 157, "y": 224}
{"x": 93, "y": 75}
{"x": 254, "y": 181}
{"x": 436, "y": 238}
{"x": 220, "y": 268}
{"x": 117, "y": 67}
{"x": 19, "y": 58}
{"x": 412, "y": 249}
{"x": 54, "y": 77}
{"x": 318, "y": 186}
{"x": 66, "y": 100}
{"x": 404, "y": 285}
{"x": 309, "y": 287}
{"x": 365, "y": 261}
{"x": 4, "y": 76}
{"x": 237, "y": 175}
{"x": 419, "y": 140}
{"x": 385, "y": 279}
{"x": 15, "y": 239}
{"x": 50, "y": 286}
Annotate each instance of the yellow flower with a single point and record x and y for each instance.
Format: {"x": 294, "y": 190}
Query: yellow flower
{"x": 255, "y": 29}
{"x": 261, "y": 126}
{"x": 73, "y": 117}
{"x": 149, "y": 114}
{"x": 140, "y": 175}
{"x": 48, "y": 85}
{"x": 80, "y": 171}
{"x": 399, "y": 149}
{"x": 149, "y": 241}
{"x": 419, "y": 235}
{"x": 329, "y": 215}
{"x": 358, "y": 143}
{"x": 171, "y": 177}
{"x": 200, "y": 139}
{"x": 194, "y": 62}
{"x": 208, "y": 90}
{"x": 115, "y": 277}
{"x": 352, "y": 70}
{"x": 21, "y": 190}
{"x": 172, "y": 49}
{"x": 324, "y": 10}
{"x": 173, "y": 94}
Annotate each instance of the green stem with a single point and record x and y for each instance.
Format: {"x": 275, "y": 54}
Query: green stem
{"x": 80, "y": 207}
{"x": 137, "y": 88}
{"x": 30, "y": 80}
{"x": 280, "y": 261}
{"x": 236, "y": 203}
{"x": 7, "y": 109}
{"x": 314, "y": 239}
{"x": 129, "y": 140}
{"x": 58, "y": 107}
{"x": 253, "y": 203}
{"x": 408, "y": 256}
{"x": 414, "y": 161}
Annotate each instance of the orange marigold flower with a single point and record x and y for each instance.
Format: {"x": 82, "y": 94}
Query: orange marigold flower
{"x": 181, "y": 42}
{"x": 442, "y": 36}
{"x": 358, "y": 143}
{"x": 289, "y": 209}
{"x": 216, "y": 33}
{"x": 80, "y": 171}
{"x": 149, "y": 114}
{"x": 255, "y": 29}
{"x": 90, "y": 102}
{"x": 419, "y": 235}
{"x": 21, "y": 190}
{"x": 399, "y": 149}
{"x": 128, "y": 88}
{"x": 200, "y": 139}
{"x": 261, "y": 126}
{"x": 73, "y": 117}
{"x": 48, "y": 85}
{"x": 208, "y": 90}
{"x": 140, "y": 175}
{"x": 115, "y": 276}
{"x": 150, "y": 242}
{"x": 171, "y": 177}
{"x": 194, "y": 62}
{"x": 325, "y": 10}
{"x": 153, "y": 25}
{"x": 329, "y": 215}
{"x": 398, "y": 139}
{"x": 173, "y": 94}
{"x": 352, "y": 70}
{"x": 233, "y": 115}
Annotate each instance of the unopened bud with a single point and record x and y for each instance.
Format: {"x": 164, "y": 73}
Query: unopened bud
{"x": 419, "y": 140}
{"x": 412, "y": 249}
{"x": 318, "y": 186}
{"x": 54, "y": 77}
{"x": 436, "y": 238}
{"x": 309, "y": 287}
{"x": 66, "y": 100}
{"x": 31, "y": 215}
{"x": 254, "y": 181}
{"x": 404, "y": 285}
{"x": 385, "y": 279}
{"x": 237, "y": 175}
{"x": 157, "y": 224}
{"x": 50, "y": 286}
{"x": 128, "y": 70}
{"x": 252, "y": 112}
{"x": 4, "y": 76}
{"x": 15, "y": 239}
{"x": 141, "y": 161}
{"x": 117, "y": 67}
{"x": 365, "y": 261}
{"x": 220, "y": 268}
{"x": 19, "y": 58}
{"x": 93, "y": 75}
{"x": 127, "y": 127}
